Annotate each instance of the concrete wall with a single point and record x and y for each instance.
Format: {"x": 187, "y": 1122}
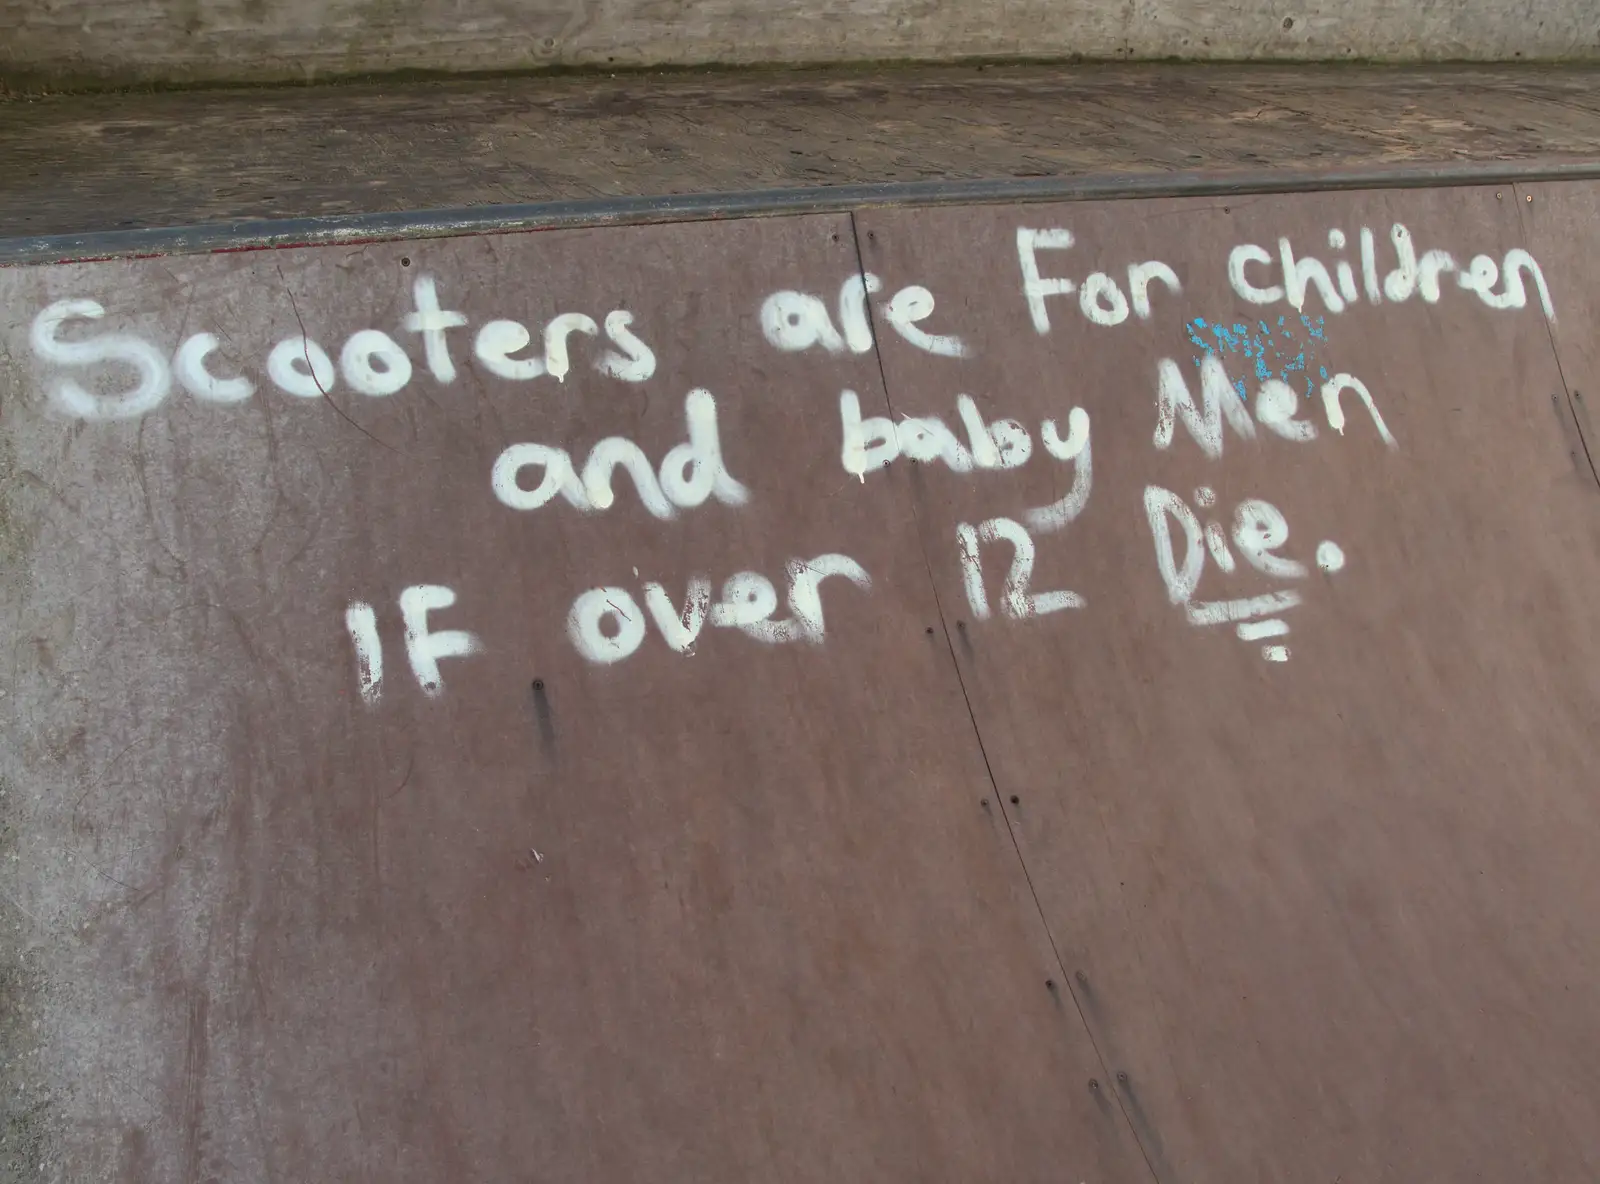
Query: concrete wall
{"x": 84, "y": 41}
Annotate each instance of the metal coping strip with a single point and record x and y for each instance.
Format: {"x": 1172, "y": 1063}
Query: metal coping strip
{"x": 265, "y": 234}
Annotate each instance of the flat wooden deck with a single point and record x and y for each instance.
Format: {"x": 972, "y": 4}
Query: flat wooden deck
{"x": 76, "y": 165}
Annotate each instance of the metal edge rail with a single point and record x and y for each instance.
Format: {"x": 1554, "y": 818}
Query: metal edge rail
{"x": 267, "y": 234}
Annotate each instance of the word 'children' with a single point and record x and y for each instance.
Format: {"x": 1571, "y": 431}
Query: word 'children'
{"x": 1300, "y": 275}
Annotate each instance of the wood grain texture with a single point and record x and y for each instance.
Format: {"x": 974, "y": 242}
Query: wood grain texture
{"x": 1089, "y": 896}
{"x": 89, "y": 163}
{"x": 740, "y": 916}
{"x": 249, "y": 40}
{"x": 1327, "y": 917}
{"x": 1561, "y": 221}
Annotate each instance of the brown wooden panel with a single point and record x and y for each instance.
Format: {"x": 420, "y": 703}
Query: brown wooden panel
{"x": 1563, "y": 222}
{"x": 1329, "y": 917}
{"x": 740, "y": 914}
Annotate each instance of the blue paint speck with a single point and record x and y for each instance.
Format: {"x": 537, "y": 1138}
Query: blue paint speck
{"x": 1274, "y": 351}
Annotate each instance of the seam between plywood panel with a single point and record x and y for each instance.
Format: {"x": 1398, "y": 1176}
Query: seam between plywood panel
{"x": 1066, "y": 979}
{"x": 1571, "y": 409}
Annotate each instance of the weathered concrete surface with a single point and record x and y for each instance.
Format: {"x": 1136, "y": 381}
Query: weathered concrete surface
{"x": 81, "y": 42}
{"x": 932, "y": 875}
{"x": 76, "y": 164}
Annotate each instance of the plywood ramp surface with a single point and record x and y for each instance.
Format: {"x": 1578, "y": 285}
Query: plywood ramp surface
{"x": 1095, "y": 692}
